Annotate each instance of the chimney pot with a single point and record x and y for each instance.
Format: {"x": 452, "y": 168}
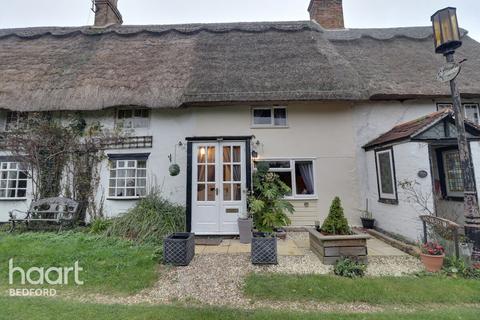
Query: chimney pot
{"x": 327, "y": 13}
{"x": 106, "y": 13}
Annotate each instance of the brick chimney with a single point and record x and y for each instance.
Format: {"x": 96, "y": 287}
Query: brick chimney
{"x": 106, "y": 13}
{"x": 327, "y": 13}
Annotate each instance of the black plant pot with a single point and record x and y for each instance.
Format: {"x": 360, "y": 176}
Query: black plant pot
{"x": 264, "y": 249}
{"x": 179, "y": 249}
{"x": 368, "y": 223}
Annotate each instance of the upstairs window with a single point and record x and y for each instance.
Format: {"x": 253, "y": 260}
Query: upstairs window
{"x": 16, "y": 120}
{"x": 297, "y": 174}
{"x": 13, "y": 180}
{"x": 266, "y": 117}
{"x": 128, "y": 178}
{"x": 387, "y": 188}
{"x": 133, "y": 118}
{"x": 471, "y": 111}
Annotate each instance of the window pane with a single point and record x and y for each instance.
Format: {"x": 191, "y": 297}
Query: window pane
{"x": 131, "y": 173}
{"x": 130, "y": 192}
{"x": 386, "y": 174}
{"x": 226, "y": 154}
{"x": 141, "y": 164}
{"x": 141, "y": 173}
{"x": 121, "y": 173}
{"x": 21, "y": 193}
{"x": 227, "y": 172}
{"x": 304, "y": 177}
{"x": 280, "y": 116}
{"x": 237, "y": 192}
{"x": 210, "y": 192}
{"x": 141, "y": 192}
{"x": 471, "y": 112}
{"x": 279, "y": 164}
{"x": 200, "y": 173}
{"x": 210, "y": 173}
{"x": 237, "y": 173}
{"x": 141, "y": 182}
{"x": 201, "y": 192}
{"x": 262, "y": 116}
{"x": 111, "y": 192}
{"x": 211, "y": 154}
{"x": 201, "y": 154}
{"x": 286, "y": 177}
{"x": 113, "y": 173}
{"x": 22, "y": 184}
{"x": 236, "y": 154}
{"x": 453, "y": 172}
{"x": 227, "y": 191}
{"x": 130, "y": 182}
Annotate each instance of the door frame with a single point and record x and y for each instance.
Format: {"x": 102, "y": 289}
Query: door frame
{"x": 248, "y": 166}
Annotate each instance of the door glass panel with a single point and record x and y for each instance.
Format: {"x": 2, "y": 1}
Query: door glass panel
{"x": 210, "y": 173}
{"x": 210, "y": 192}
{"x": 211, "y": 155}
{"x": 201, "y": 173}
{"x": 227, "y": 172}
{"x": 227, "y": 191}
{"x": 236, "y": 154}
{"x": 201, "y": 155}
{"x": 200, "y": 192}
{"x": 237, "y": 176}
{"x": 226, "y": 154}
{"x": 237, "y": 192}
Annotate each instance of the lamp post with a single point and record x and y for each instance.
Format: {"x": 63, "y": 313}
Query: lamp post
{"x": 447, "y": 39}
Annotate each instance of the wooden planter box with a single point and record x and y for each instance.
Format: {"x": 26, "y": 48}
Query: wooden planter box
{"x": 330, "y": 249}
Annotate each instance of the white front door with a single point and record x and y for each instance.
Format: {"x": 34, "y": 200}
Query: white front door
{"x": 218, "y": 186}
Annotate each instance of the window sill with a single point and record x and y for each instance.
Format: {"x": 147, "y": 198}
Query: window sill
{"x": 125, "y": 198}
{"x": 268, "y": 127}
{"x": 298, "y": 198}
{"x": 453, "y": 199}
{"x": 388, "y": 201}
{"x": 13, "y": 199}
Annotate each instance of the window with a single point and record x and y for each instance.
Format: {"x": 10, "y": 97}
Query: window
{"x": 128, "y": 178}
{"x": 15, "y": 120}
{"x": 453, "y": 173}
{"x": 269, "y": 117}
{"x": 297, "y": 174}
{"x": 471, "y": 110}
{"x": 386, "y": 180}
{"x": 133, "y": 118}
{"x": 13, "y": 180}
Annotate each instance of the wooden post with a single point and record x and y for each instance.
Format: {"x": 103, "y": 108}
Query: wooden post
{"x": 470, "y": 202}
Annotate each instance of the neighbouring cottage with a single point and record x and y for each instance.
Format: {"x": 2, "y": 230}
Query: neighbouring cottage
{"x": 315, "y": 100}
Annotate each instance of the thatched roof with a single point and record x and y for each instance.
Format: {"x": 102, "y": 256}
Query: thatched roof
{"x": 85, "y": 68}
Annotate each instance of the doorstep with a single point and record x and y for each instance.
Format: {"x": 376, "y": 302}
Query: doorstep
{"x": 233, "y": 246}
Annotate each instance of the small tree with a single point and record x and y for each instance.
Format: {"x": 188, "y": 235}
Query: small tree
{"x": 267, "y": 202}
{"x": 336, "y": 223}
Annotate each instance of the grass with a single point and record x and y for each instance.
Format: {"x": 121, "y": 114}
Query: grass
{"x": 387, "y": 290}
{"x": 110, "y": 265}
{"x": 52, "y": 309}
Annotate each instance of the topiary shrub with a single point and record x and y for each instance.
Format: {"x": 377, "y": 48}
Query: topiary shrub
{"x": 336, "y": 223}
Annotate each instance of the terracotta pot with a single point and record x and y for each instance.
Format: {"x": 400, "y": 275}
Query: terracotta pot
{"x": 432, "y": 263}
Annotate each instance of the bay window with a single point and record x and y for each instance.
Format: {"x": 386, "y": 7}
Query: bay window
{"x": 13, "y": 181}
{"x": 128, "y": 176}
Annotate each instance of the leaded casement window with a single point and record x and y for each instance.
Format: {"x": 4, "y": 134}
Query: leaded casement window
{"x": 266, "y": 117}
{"x": 128, "y": 178}
{"x": 13, "y": 180}
{"x": 133, "y": 118}
{"x": 453, "y": 173}
{"x": 386, "y": 180}
{"x": 15, "y": 120}
{"x": 471, "y": 110}
{"x": 297, "y": 174}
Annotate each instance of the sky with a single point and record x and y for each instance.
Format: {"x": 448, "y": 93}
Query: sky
{"x": 358, "y": 13}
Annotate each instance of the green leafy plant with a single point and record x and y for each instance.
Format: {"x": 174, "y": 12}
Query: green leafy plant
{"x": 100, "y": 225}
{"x": 150, "y": 220}
{"x": 336, "y": 223}
{"x": 457, "y": 267}
{"x": 267, "y": 202}
{"x": 349, "y": 268}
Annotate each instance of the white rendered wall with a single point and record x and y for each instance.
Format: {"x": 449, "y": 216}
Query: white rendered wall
{"x": 401, "y": 218}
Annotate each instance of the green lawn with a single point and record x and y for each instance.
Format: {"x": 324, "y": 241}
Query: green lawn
{"x": 51, "y": 309}
{"x": 388, "y": 290}
{"x": 110, "y": 265}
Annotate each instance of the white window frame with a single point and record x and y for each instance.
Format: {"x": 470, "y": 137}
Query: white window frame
{"x": 272, "y": 117}
{"x": 292, "y": 161}
{"x": 450, "y": 193}
{"x": 116, "y": 178}
{"x": 8, "y": 170}
{"x": 120, "y": 123}
{"x": 441, "y": 106}
{"x": 389, "y": 197}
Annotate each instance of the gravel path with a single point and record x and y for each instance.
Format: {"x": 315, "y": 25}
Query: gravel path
{"x": 218, "y": 279}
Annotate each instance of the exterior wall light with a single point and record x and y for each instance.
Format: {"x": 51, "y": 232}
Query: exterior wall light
{"x": 446, "y": 32}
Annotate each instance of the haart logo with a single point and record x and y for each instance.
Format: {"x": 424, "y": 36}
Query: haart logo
{"x": 40, "y": 276}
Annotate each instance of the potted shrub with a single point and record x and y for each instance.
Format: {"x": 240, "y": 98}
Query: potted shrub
{"x": 335, "y": 240}
{"x": 368, "y": 222}
{"x": 245, "y": 225}
{"x": 432, "y": 256}
{"x": 269, "y": 209}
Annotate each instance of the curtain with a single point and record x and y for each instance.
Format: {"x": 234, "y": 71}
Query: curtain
{"x": 237, "y": 173}
{"x": 306, "y": 172}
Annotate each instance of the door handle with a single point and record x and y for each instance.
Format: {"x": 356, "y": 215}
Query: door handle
{"x": 216, "y": 191}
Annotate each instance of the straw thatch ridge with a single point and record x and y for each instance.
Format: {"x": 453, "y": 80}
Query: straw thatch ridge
{"x": 169, "y": 66}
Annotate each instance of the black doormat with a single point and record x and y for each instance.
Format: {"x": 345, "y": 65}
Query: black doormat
{"x": 208, "y": 241}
